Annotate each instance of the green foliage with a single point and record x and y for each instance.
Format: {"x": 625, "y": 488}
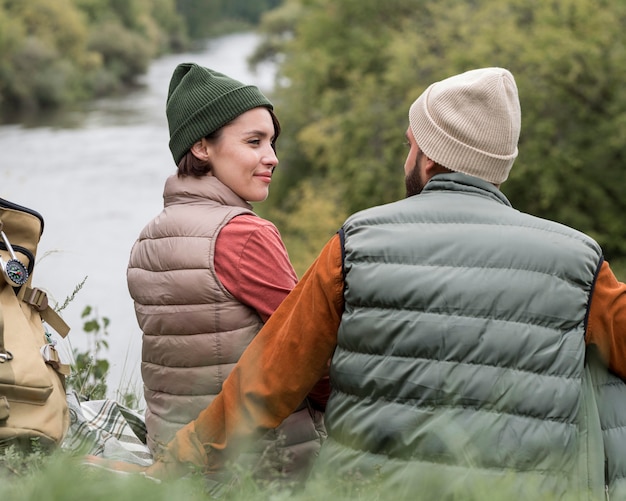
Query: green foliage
{"x": 247, "y": 10}
{"x": 126, "y": 54}
{"x": 89, "y": 371}
{"x": 277, "y": 26}
{"x": 307, "y": 220}
{"x": 170, "y": 30}
{"x": 46, "y": 53}
{"x": 349, "y": 71}
{"x": 62, "y": 476}
{"x": 20, "y": 461}
{"x": 342, "y": 112}
{"x": 72, "y": 296}
{"x": 55, "y": 52}
{"x": 204, "y": 19}
{"x": 199, "y": 16}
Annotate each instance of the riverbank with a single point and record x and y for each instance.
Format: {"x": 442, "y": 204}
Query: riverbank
{"x": 96, "y": 174}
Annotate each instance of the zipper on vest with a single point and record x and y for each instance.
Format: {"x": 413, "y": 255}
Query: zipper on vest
{"x": 606, "y": 480}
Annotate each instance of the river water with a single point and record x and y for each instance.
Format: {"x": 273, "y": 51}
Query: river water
{"x": 96, "y": 175}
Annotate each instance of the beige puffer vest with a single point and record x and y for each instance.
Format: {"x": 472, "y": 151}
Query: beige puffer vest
{"x": 194, "y": 330}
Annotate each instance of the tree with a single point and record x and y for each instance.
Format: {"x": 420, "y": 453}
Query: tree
{"x": 54, "y": 52}
{"x": 205, "y": 19}
{"x": 349, "y": 71}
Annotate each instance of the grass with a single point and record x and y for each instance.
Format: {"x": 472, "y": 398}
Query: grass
{"x": 62, "y": 476}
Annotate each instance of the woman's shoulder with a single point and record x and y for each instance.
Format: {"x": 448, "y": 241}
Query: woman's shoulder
{"x": 248, "y": 222}
{"x": 249, "y": 231}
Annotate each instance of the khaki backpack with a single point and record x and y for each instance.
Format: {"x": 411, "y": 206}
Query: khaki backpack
{"x": 33, "y": 404}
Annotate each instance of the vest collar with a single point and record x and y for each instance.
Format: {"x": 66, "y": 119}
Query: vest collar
{"x": 456, "y": 181}
{"x": 190, "y": 189}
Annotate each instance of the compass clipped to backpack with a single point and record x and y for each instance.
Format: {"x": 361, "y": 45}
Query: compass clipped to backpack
{"x": 14, "y": 271}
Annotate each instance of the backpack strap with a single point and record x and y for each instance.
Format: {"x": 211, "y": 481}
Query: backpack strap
{"x": 38, "y": 299}
{"x": 5, "y": 355}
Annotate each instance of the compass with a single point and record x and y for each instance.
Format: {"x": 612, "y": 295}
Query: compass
{"x": 15, "y": 272}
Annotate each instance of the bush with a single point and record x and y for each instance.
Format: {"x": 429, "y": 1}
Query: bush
{"x": 89, "y": 371}
{"x": 125, "y": 54}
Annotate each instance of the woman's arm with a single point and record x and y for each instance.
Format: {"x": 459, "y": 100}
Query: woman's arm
{"x": 252, "y": 263}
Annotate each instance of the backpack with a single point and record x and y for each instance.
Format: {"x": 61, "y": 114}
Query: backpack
{"x": 33, "y": 403}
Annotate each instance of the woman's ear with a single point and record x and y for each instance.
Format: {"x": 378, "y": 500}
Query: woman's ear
{"x": 200, "y": 149}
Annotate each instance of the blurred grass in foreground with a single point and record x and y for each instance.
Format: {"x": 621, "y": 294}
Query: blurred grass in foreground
{"x": 61, "y": 476}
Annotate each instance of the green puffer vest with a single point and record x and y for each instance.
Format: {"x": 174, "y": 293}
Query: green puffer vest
{"x": 460, "y": 364}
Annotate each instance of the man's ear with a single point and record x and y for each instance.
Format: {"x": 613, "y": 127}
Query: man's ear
{"x": 200, "y": 149}
{"x": 430, "y": 167}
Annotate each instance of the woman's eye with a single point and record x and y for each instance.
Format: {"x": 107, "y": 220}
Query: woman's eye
{"x": 254, "y": 141}
{"x": 407, "y": 144}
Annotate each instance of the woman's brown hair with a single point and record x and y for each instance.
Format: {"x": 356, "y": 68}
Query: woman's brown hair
{"x": 190, "y": 165}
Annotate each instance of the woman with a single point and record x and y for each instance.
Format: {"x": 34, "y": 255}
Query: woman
{"x": 206, "y": 273}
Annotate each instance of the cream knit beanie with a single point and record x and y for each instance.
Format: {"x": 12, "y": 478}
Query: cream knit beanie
{"x": 470, "y": 123}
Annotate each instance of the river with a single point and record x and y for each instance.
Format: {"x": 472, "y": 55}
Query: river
{"x": 96, "y": 175}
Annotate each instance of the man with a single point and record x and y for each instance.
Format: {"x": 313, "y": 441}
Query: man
{"x": 462, "y": 332}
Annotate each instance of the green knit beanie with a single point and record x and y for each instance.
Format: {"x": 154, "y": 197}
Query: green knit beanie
{"x": 200, "y": 101}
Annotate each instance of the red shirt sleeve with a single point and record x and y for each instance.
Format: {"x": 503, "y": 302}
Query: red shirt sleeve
{"x": 606, "y": 326}
{"x": 252, "y": 263}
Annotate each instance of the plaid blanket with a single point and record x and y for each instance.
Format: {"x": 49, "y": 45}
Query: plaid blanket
{"x": 106, "y": 429}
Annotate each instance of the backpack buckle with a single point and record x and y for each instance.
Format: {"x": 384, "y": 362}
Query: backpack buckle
{"x": 37, "y": 298}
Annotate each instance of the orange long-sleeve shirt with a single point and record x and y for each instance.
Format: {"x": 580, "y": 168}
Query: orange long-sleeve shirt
{"x": 291, "y": 353}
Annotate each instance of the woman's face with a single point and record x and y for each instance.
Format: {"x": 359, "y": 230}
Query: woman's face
{"x": 242, "y": 156}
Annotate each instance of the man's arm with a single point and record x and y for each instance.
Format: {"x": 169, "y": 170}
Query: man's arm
{"x": 606, "y": 326}
{"x": 274, "y": 374}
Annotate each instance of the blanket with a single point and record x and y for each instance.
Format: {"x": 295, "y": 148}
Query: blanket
{"x": 106, "y": 429}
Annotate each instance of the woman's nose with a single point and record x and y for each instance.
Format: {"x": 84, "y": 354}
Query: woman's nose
{"x": 270, "y": 157}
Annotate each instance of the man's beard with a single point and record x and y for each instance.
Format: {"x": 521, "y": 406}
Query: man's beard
{"x": 414, "y": 181}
